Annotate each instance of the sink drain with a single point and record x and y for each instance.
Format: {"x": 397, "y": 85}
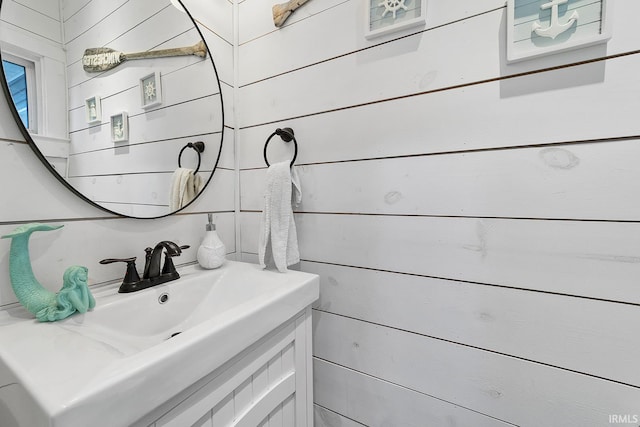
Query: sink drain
{"x": 163, "y": 298}
{"x": 174, "y": 334}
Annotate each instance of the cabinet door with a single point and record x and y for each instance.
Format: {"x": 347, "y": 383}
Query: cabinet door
{"x": 268, "y": 385}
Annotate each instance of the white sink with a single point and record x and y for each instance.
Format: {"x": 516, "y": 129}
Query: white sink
{"x": 111, "y": 366}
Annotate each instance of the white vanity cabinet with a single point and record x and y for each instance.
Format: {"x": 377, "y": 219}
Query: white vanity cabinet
{"x": 269, "y": 384}
{"x": 224, "y": 347}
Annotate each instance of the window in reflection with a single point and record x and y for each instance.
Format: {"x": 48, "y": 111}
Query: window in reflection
{"x": 20, "y": 75}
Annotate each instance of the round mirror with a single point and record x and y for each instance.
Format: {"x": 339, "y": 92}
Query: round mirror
{"x": 120, "y": 99}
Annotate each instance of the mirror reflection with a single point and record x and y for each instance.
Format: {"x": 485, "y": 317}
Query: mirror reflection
{"x": 111, "y": 92}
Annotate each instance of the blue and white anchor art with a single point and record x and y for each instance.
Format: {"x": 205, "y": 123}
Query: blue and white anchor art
{"x": 556, "y": 27}
{"x": 536, "y": 28}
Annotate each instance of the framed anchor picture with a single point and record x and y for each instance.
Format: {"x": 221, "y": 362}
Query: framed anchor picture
{"x": 543, "y": 27}
{"x": 387, "y": 16}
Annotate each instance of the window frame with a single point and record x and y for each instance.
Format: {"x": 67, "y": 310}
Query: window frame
{"x": 32, "y": 74}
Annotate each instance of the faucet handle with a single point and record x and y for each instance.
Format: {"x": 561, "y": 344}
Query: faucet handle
{"x": 147, "y": 261}
{"x": 131, "y": 276}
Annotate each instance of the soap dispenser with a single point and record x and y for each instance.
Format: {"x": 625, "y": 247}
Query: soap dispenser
{"x": 211, "y": 253}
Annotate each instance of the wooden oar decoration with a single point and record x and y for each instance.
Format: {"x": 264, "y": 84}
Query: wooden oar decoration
{"x": 103, "y": 58}
{"x": 282, "y": 11}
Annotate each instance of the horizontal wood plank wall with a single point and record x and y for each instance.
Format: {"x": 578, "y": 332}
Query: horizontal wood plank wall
{"x": 31, "y": 194}
{"x": 475, "y": 224}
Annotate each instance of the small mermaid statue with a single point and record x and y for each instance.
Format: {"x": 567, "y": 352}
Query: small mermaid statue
{"x": 45, "y": 305}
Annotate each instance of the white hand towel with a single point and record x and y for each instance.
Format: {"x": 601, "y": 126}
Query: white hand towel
{"x": 277, "y": 226}
{"x": 185, "y": 186}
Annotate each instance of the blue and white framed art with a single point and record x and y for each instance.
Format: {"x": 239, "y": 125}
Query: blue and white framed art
{"x": 542, "y": 27}
{"x": 387, "y": 16}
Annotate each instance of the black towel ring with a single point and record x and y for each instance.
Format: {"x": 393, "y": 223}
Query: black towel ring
{"x": 198, "y": 146}
{"x": 287, "y": 135}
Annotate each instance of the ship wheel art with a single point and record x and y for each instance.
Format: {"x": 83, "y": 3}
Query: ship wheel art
{"x": 393, "y": 6}
{"x": 150, "y": 90}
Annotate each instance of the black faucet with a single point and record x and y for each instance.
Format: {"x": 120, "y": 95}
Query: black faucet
{"x": 152, "y": 275}
{"x": 152, "y": 261}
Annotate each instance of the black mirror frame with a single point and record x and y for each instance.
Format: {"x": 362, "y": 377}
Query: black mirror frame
{"x": 45, "y": 162}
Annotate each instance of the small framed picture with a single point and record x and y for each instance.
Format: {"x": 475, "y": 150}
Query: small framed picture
{"x": 543, "y": 27}
{"x": 93, "y": 107}
{"x": 388, "y": 16}
{"x": 150, "y": 90}
{"x": 120, "y": 127}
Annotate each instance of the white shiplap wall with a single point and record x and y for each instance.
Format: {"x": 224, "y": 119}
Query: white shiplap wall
{"x": 30, "y": 193}
{"x": 475, "y": 224}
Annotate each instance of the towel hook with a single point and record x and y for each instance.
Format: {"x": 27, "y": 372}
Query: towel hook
{"x": 198, "y": 146}
{"x": 287, "y": 135}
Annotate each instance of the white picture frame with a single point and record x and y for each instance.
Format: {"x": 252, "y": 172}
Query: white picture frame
{"x": 150, "y": 90}
{"x": 388, "y": 16}
{"x": 120, "y": 127}
{"x": 578, "y": 24}
{"x": 93, "y": 109}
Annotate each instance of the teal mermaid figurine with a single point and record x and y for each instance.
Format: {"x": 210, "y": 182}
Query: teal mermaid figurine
{"x": 47, "y": 306}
